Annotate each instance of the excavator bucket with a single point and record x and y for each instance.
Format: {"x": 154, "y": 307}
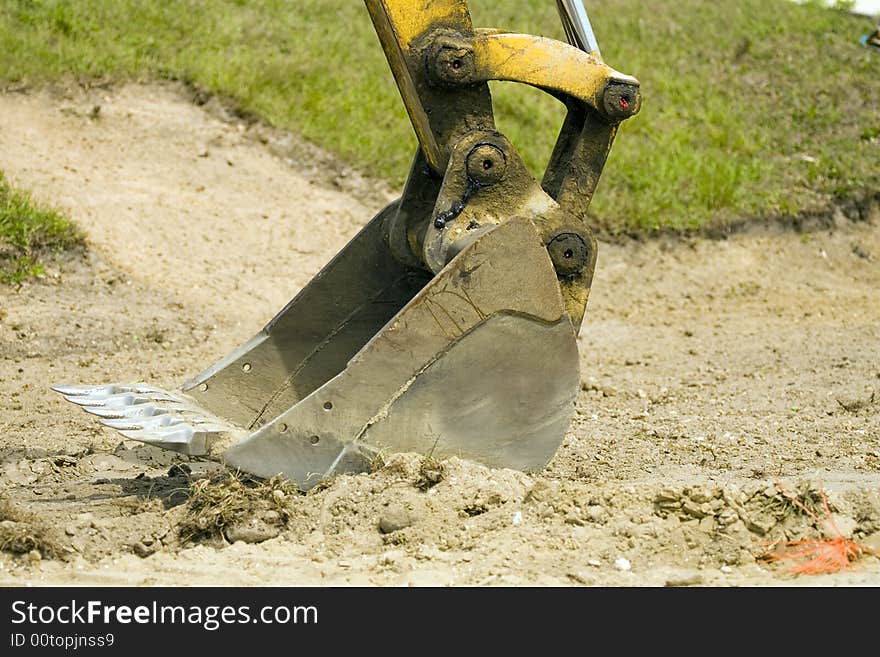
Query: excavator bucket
{"x": 449, "y": 324}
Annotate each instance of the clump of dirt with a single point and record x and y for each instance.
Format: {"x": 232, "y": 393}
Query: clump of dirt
{"x": 230, "y": 507}
{"x": 431, "y": 473}
{"x": 775, "y": 514}
{"x": 23, "y": 533}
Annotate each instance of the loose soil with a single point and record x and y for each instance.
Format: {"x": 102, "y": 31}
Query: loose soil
{"x": 717, "y": 377}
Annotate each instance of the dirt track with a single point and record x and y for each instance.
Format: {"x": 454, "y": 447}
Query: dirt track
{"x": 711, "y": 371}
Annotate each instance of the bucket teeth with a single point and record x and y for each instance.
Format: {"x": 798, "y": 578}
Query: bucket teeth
{"x": 116, "y": 396}
{"x": 180, "y": 438}
{"x": 139, "y": 410}
{"x": 150, "y": 415}
{"x": 136, "y": 423}
{"x": 122, "y": 400}
{"x": 177, "y": 434}
{"x": 106, "y": 390}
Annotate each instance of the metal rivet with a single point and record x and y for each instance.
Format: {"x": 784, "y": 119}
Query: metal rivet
{"x": 328, "y": 406}
{"x": 282, "y": 427}
{"x": 203, "y": 387}
{"x": 246, "y": 367}
{"x": 314, "y": 440}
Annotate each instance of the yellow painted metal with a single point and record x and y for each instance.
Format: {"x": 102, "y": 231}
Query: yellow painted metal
{"x": 544, "y": 63}
{"x": 554, "y": 66}
{"x": 399, "y": 23}
{"x": 412, "y": 18}
{"x": 395, "y": 29}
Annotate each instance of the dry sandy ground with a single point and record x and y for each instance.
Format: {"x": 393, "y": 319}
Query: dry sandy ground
{"x": 714, "y": 373}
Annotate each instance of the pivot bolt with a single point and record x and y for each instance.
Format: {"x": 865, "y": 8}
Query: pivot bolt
{"x": 621, "y": 101}
{"x": 486, "y": 164}
{"x": 452, "y": 64}
{"x": 569, "y": 253}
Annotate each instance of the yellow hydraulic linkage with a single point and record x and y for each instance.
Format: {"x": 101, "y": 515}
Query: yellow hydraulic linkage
{"x": 449, "y": 323}
{"x": 442, "y": 65}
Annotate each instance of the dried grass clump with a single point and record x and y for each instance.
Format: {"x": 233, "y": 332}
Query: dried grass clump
{"x": 819, "y": 556}
{"x": 22, "y": 532}
{"x": 218, "y": 502}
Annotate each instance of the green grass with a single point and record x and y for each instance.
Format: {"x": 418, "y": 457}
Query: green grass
{"x": 755, "y": 108}
{"x": 27, "y": 231}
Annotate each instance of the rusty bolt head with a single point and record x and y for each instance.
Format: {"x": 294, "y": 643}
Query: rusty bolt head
{"x": 452, "y": 64}
{"x": 486, "y": 164}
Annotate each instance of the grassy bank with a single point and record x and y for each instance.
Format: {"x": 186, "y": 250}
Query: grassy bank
{"x": 758, "y": 108}
{"x": 28, "y": 230}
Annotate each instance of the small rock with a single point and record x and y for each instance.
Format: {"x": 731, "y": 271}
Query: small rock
{"x": 702, "y": 495}
{"x": 846, "y": 525}
{"x": 590, "y": 384}
{"x": 684, "y": 578}
{"x": 179, "y": 470}
{"x": 596, "y": 513}
{"x": 707, "y": 525}
{"x": 8, "y": 525}
{"x": 271, "y": 517}
{"x": 389, "y": 558}
{"x": 517, "y": 518}
{"x": 395, "y": 518}
{"x": 593, "y": 385}
{"x": 540, "y": 492}
{"x": 727, "y": 517}
{"x": 253, "y": 530}
{"x": 103, "y": 464}
{"x": 726, "y": 569}
{"x": 582, "y": 578}
{"x": 760, "y": 524}
{"x": 667, "y": 495}
{"x": 693, "y": 509}
{"x": 622, "y": 564}
{"x": 70, "y": 530}
{"x": 34, "y": 556}
{"x": 595, "y": 563}
{"x": 853, "y": 404}
{"x": 142, "y": 550}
